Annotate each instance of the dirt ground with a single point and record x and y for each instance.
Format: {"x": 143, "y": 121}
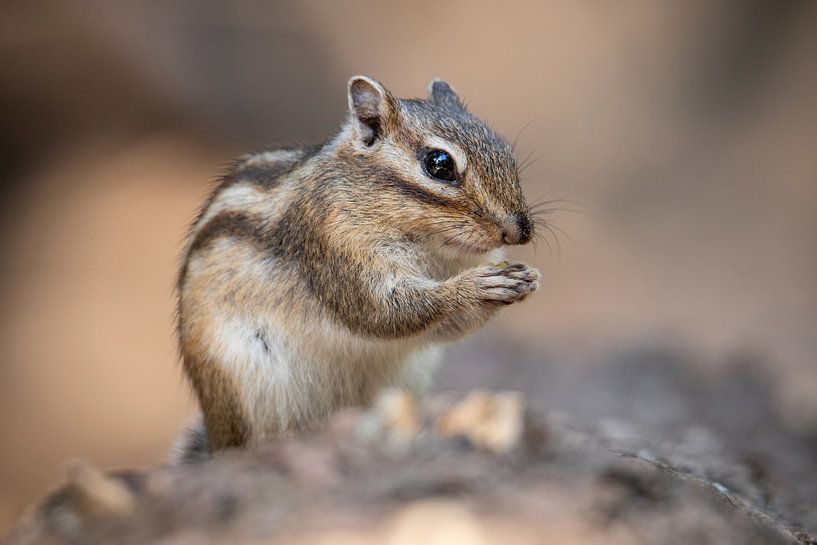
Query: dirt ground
{"x": 470, "y": 469}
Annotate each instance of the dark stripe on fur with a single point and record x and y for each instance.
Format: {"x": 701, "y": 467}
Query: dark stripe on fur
{"x": 220, "y": 402}
{"x": 229, "y": 224}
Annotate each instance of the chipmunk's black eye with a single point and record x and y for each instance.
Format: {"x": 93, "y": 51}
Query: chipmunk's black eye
{"x": 440, "y": 165}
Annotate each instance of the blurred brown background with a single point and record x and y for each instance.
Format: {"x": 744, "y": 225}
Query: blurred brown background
{"x": 689, "y": 129}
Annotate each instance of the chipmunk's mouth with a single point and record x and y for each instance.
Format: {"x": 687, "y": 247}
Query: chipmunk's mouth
{"x": 468, "y": 248}
{"x": 472, "y": 246}
{"x": 469, "y": 239}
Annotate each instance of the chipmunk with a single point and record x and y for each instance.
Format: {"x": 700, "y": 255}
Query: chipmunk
{"x": 315, "y": 277}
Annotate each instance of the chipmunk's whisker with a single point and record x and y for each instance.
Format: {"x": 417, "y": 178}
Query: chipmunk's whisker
{"x": 527, "y": 158}
{"x": 523, "y": 129}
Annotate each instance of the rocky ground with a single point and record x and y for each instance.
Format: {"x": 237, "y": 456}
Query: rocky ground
{"x": 478, "y": 468}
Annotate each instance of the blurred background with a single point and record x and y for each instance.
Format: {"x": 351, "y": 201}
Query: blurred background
{"x": 687, "y": 296}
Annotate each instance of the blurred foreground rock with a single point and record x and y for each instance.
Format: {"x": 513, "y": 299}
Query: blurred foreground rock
{"x": 475, "y": 469}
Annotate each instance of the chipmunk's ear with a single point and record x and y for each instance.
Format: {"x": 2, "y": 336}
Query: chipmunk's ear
{"x": 443, "y": 94}
{"x": 372, "y": 106}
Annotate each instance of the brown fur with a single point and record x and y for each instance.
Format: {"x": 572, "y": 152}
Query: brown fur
{"x": 220, "y": 399}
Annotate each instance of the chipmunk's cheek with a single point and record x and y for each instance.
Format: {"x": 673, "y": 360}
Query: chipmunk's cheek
{"x": 496, "y": 236}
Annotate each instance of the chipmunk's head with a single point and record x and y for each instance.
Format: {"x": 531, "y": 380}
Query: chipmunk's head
{"x": 445, "y": 176}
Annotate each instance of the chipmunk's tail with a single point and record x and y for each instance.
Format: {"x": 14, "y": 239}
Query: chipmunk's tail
{"x": 193, "y": 445}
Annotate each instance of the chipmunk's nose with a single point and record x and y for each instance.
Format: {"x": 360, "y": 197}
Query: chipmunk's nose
{"x": 517, "y": 230}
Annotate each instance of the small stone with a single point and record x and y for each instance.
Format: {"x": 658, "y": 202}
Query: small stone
{"x": 96, "y": 494}
{"x": 492, "y": 421}
{"x": 436, "y": 522}
{"x": 395, "y": 414}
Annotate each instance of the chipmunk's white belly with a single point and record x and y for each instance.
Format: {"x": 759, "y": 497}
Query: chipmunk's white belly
{"x": 294, "y": 376}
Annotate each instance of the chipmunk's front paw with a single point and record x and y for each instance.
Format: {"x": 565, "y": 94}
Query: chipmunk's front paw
{"x": 505, "y": 283}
